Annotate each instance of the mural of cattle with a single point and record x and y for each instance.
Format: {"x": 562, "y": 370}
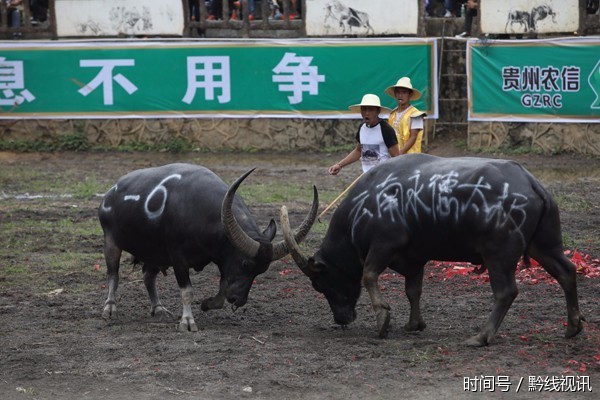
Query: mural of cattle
{"x": 185, "y": 216}
{"x": 418, "y": 207}
{"x": 540, "y": 13}
{"x": 520, "y": 18}
{"x": 347, "y": 17}
{"x": 527, "y": 21}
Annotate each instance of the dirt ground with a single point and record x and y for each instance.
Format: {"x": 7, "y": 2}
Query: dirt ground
{"x": 283, "y": 344}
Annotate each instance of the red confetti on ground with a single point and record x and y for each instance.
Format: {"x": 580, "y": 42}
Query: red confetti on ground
{"x": 575, "y": 366}
{"x": 584, "y": 264}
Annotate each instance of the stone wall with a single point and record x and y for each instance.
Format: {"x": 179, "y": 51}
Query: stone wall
{"x": 544, "y": 137}
{"x": 294, "y": 134}
{"x": 206, "y": 134}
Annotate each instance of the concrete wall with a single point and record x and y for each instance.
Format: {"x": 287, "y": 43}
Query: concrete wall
{"x": 298, "y": 134}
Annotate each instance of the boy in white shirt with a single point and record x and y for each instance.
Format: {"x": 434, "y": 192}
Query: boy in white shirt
{"x": 376, "y": 139}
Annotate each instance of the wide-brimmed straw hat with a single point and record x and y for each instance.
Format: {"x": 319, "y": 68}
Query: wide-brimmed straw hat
{"x": 369, "y": 100}
{"x": 404, "y": 82}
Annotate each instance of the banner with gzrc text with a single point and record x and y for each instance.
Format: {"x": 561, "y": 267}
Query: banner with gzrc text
{"x": 206, "y": 79}
{"x": 554, "y": 80}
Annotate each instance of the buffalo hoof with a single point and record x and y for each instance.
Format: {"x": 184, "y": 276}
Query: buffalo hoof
{"x": 413, "y": 326}
{"x": 110, "y": 311}
{"x": 383, "y": 323}
{"x": 480, "y": 340}
{"x": 186, "y": 325}
{"x": 574, "y": 329}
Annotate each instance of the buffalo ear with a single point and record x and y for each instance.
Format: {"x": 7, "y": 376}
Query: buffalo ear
{"x": 271, "y": 230}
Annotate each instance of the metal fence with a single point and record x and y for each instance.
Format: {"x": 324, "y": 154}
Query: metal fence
{"x": 235, "y": 16}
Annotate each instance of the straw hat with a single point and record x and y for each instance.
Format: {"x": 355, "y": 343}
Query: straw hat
{"x": 404, "y": 82}
{"x": 369, "y": 100}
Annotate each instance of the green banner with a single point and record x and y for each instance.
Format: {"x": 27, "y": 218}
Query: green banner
{"x": 256, "y": 78}
{"x": 554, "y": 80}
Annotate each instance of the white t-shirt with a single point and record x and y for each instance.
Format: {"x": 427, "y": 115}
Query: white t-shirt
{"x": 375, "y": 141}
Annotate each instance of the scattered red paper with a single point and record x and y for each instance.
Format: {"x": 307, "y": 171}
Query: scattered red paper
{"x": 585, "y": 265}
{"x": 574, "y": 365}
{"x": 387, "y": 276}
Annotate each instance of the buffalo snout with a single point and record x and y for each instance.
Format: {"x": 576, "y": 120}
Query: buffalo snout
{"x": 237, "y": 293}
{"x": 343, "y": 315}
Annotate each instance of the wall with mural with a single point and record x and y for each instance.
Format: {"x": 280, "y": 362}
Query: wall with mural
{"x": 527, "y": 16}
{"x": 97, "y": 18}
{"x": 347, "y": 18}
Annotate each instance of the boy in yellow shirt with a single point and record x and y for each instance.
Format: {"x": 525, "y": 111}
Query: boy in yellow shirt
{"x": 406, "y": 120}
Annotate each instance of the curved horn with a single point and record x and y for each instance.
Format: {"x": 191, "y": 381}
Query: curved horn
{"x": 235, "y": 233}
{"x": 295, "y": 251}
{"x": 280, "y": 249}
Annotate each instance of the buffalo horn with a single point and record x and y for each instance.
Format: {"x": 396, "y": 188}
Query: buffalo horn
{"x": 280, "y": 249}
{"x": 291, "y": 242}
{"x": 236, "y": 234}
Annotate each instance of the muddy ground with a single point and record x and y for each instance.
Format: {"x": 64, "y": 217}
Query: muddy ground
{"x": 283, "y": 344}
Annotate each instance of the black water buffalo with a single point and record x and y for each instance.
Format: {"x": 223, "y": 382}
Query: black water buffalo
{"x": 540, "y": 13}
{"x": 418, "y": 207}
{"x": 521, "y": 18}
{"x": 184, "y": 216}
{"x": 347, "y": 17}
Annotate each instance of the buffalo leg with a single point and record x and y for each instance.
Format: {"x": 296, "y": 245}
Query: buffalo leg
{"x": 182, "y": 274}
{"x": 112, "y": 256}
{"x": 504, "y": 287}
{"x": 414, "y": 287}
{"x": 216, "y": 302}
{"x": 547, "y": 249}
{"x": 380, "y": 306}
{"x": 559, "y": 266}
{"x": 156, "y": 307}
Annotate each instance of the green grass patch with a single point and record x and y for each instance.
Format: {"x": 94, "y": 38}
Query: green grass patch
{"x": 43, "y": 273}
{"x": 571, "y": 202}
{"x": 87, "y": 188}
{"x": 77, "y": 141}
{"x": 257, "y": 193}
{"x": 18, "y": 181}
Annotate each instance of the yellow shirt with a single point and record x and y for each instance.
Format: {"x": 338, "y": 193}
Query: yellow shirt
{"x": 401, "y": 123}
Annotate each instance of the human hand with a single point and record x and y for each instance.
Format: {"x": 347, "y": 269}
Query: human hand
{"x": 334, "y": 169}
